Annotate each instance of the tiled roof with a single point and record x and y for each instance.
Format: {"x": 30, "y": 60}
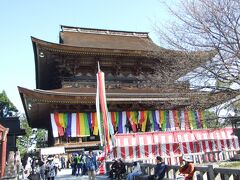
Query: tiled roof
{"x": 107, "y": 39}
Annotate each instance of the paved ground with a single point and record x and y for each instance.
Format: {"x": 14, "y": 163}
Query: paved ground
{"x": 66, "y": 174}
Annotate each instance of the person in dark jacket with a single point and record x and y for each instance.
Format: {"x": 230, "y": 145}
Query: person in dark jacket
{"x": 121, "y": 169}
{"x": 114, "y": 168}
{"x": 160, "y": 169}
{"x": 34, "y": 175}
{"x": 74, "y": 164}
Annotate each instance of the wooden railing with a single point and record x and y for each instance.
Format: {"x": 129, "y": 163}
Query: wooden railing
{"x": 208, "y": 172}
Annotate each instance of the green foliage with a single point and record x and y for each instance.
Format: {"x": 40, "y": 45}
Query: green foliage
{"x": 40, "y": 138}
{"x": 31, "y": 136}
{"x": 212, "y": 120}
{"x": 22, "y": 142}
{"x": 5, "y": 101}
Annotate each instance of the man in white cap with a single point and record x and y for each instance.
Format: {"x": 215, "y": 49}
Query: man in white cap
{"x": 187, "y": 170}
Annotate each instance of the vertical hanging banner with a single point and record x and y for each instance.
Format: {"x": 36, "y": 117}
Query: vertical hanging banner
{"x": 98, "y": 115}
{"x": 103, "y": 104}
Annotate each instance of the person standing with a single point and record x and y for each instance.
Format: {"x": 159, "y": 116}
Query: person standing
{"x": 28, "y": 168}
{"x": 56, "y": 161}
{"x": 74, "y": 164}
{"x": 91, "y": 165}
{"x": 84, "y": 167}
{"x": 50, "y": 168}
{"x": 42, "y": 169}
{"x": 79, "y": 164}
{"x": 63, "y": 163}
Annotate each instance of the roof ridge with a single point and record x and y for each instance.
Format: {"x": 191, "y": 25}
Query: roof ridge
{"x": 103, "y": 31}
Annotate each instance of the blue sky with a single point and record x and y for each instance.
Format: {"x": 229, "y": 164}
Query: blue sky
{"x": 42, "y": 19}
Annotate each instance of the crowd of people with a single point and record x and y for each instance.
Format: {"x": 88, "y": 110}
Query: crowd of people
{"x": 84, "y": 164}
{"x": 46, "y": 168}
{"x": 186, "y": 170}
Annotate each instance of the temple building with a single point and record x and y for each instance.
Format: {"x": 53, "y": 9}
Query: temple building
{"x": 64, "y": 99}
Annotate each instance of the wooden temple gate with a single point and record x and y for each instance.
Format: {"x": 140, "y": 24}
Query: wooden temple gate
{"x": 66, "y": 81}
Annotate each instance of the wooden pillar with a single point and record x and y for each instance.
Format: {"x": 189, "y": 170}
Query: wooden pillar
{"x": 4, "y": 148}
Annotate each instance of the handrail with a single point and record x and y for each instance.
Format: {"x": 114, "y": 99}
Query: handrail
{"x": 221, "y": 170}
{"x": 208, "y": 172}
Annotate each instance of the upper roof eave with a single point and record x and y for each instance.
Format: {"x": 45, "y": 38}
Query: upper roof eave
{"x": 159, "y": 52}
{"x": 54, "y": 47}
{"x": 135, "y": 96}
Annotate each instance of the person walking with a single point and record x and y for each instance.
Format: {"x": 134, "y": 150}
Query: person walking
{"x": 91, "y": 165}
{"x": 50, "y": 168}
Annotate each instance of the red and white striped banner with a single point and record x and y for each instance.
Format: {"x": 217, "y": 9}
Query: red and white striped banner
{"x": 211, "y": 144}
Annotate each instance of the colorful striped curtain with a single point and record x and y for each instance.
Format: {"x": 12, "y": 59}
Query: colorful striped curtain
{"x": 182, "y": 120}
{"x": 120, "y": 124}
{"x": 54, "y": 126}
{"x": 132, "y": 120}
{"x": 143, "y": 115}
{"x": 73, "y": 125}
{"x": 176, "y": 119}
{"x": 186, "y": 118}
{"x": 68, "y": 124}
{"x": 95, "y": 123}
{"x": 113, "y": 120}
{"x": 59, "y": 124}
{"x": 78, "y": 129}
{"x": 155, "y": 116}
{"x": 83, "y": 124}
{"x": 163, "y": 119}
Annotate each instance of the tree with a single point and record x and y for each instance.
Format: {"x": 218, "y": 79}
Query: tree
{"x": 23, "y": 142}
{"x": 205, "y": 25}
{"x": 41, "y": 136}
{"x": 34, "y": 138}
{"x": 6, "y": 106}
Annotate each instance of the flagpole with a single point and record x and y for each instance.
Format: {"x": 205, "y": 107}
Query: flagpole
{"x": 98, "y": 66}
